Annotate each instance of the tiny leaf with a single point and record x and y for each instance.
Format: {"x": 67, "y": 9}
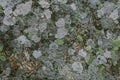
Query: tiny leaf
{"x": 59, "y": 42}
{"x": 79, "y": 37}
{"x": 2, "y": 58}
{"x": 92, "y": 57}
{"x": 1, "y": 10}
{"x": 100, "y": 51}
{"x": 116, "y": 43}
{"x": 29, "y": 36}
{"x": 114, "y": 63}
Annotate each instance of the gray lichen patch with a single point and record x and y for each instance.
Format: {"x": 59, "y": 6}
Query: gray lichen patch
{"x": 23, "y": 9}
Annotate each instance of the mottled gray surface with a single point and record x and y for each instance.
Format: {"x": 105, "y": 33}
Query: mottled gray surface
{"x": 59, "y": 40}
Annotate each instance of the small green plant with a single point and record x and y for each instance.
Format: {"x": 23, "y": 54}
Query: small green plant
{"x": 92, "y": 57}
{"x": 113, "y": 53}
{"x": 59, "y": 41}
{"x": 2, "y": 58}
{"x": 79, "y": 38}
{"x": 100, "y": 6}
{"x": 29, "y": 36}
{"x": 116, "y": 21}
{"x": 98, "y": 32}
{"x": 28, "y": 74}
{"x": 76, "y": 16}
{"x": 90, "y": 51}
{"x": 114, "y": 63}
{"x": 1, "y": 10}
{"x": 50, "y": 34}
{"x": 116, "y": 44}
{"x": 87, "y": 9}
{"x": 100, "y": 51}
{"x": 1, "y": 48}
{"x": 102, "y": 70}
